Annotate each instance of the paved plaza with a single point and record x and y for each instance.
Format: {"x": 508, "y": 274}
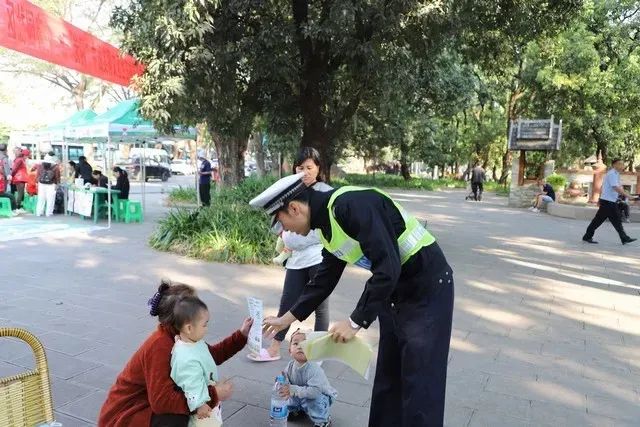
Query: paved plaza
{"x": 546, "y": 329}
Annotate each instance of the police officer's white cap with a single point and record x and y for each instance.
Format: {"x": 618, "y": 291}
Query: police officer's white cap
{"x": 279, "y": 193}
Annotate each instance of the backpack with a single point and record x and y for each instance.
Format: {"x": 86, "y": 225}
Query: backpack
{"x": 48, "y": 175}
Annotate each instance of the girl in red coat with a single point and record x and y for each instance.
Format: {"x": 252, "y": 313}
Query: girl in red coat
{"x": 144, "y": 394}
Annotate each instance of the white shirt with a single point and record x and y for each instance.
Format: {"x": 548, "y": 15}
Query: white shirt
{"x": 306, "y": 250}
{"x": 611, "y": 180}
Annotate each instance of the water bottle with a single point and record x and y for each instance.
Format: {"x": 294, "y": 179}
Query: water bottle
{"x": 279, "y": 405}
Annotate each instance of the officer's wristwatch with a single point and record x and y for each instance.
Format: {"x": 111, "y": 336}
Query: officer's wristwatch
{"x": 354, "y": 325}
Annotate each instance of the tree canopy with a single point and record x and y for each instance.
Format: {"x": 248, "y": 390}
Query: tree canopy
{"x": 437, "y": 82}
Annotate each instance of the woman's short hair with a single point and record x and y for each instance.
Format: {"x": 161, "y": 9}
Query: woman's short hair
{"x": 306, "y": 153}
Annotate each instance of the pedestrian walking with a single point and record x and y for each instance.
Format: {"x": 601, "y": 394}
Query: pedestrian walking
{"x": 478, "y": 177}
{"x": 608, "y": 207}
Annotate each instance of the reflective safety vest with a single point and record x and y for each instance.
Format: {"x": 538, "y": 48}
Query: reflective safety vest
{"x": 414, "y": 237}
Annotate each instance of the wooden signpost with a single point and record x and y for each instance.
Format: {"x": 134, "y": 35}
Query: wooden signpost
{"x": 533, "y": 135}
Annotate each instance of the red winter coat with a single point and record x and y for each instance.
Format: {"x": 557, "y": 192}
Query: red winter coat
{"x": 144, "y": 387}
{"x": 19, "y": 171}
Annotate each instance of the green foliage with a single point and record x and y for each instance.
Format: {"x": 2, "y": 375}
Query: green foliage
{"x": 498, "y": 188}
{"x": 227, "y": 231}
{"x": 183, "y": 195}
{"x": 396, "y": 181}
{"x": 590, "y": 76}
{"x": 434, "y": 82}
{"x": 558, "y": 182}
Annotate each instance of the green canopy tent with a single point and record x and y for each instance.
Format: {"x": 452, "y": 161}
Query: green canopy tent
{"x": 57, "y": 130}
{"x": 52, "y": 135}
{"x": 121, "y": 124}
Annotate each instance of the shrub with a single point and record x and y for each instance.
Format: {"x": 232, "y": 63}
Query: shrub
{"x": 397, "y": 181}
{"x": 558, "y": 182}
{"x": 244, "y": 192}
{"x": 227, "y": 231}
{"x": 500, "y": 189}
{"x": 183, "y": 195}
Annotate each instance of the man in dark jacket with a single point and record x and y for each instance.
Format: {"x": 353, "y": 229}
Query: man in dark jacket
{"x": 477, "y": 181}
{"x": 84, "y": 170}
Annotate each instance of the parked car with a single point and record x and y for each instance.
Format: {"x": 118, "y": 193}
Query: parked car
{"x": 182, "y": 167}
{"x": 156, "y": 163}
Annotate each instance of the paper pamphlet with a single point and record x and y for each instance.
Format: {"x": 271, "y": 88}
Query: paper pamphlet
{"x": 254, "y": 341}
{"x": 356, "y": 354}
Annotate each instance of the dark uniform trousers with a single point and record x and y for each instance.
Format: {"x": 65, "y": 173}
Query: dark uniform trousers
{"x": 411, "y": 375}
{"x": 205, "y": 194}
{"x": 477, "y": 188}
{"x": 606, "y": 210}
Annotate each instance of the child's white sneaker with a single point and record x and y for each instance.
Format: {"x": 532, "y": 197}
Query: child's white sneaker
{"x": 326, "y": 424}
{"x": 535, "y": 210}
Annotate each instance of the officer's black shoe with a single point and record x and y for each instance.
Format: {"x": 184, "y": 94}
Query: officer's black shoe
{"x": 584, "y": 239}
{"x": 628, "y": 240}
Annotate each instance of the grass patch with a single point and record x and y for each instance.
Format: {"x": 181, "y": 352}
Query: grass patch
{"x": 183, "y": 195}
{"x": 396, "y": 181}
{"x": 499, "y": 189}
{"x": 227, "y": 231}
{"x": 231, "y": 231}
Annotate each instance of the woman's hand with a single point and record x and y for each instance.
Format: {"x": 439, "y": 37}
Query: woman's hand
{"x": 224, "y": 390}
{"x": 272, "y": 325}
{"x": 203, "y": 412}
{"x": 246, "y": 326}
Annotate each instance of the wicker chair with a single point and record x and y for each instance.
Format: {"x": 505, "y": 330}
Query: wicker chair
{"x": 25, "y": 399}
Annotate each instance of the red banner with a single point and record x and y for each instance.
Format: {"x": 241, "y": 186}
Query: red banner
{"x": 27, "y": 28}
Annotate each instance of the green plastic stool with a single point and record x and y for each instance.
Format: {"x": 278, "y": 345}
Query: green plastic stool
{"x": 133, "y": 212}
{"x": 30, "y": 203}
{"x": 5, "y": 207}
{"x": 118, "y": 210}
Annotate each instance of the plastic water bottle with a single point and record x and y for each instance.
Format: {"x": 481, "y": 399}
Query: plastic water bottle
{"x": 279, "y": 405}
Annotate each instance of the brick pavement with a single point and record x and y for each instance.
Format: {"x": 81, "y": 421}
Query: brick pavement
{"x": 546, "y": 329}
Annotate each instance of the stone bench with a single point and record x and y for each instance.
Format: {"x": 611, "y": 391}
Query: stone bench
{"x": 582, "y": 212}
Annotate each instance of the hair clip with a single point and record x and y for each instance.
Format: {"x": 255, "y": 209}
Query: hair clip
{"x": 153, "y": 303}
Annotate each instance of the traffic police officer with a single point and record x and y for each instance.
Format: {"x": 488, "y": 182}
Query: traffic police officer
{"x": 410, "y": 290}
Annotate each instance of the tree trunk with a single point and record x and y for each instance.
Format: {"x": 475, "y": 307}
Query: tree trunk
{"x": 79, "y": 92}
{"x": 404, "y": 160}
{"x": 230, "y": 152}
{"x": 601, "y": 146}
{"x": 506, "y": 167}
{"x": 314, "y": 131}
{"x": 258, "y": 148}
{"x": 512, "y": 114}
{"x": 494, "y": 172}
